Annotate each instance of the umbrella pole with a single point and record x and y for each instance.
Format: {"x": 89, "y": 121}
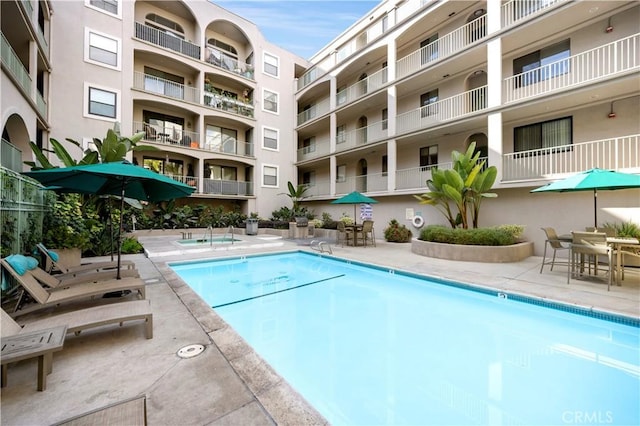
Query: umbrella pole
{"x": 120, "y": 231}
{"x": 595, "y": 208}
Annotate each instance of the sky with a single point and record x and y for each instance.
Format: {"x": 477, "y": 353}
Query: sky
{"x": 300, "y": 26}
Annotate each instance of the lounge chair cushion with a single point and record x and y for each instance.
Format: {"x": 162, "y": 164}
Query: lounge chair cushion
{"x": 54, "y": 256}
{"x": 22, "y": 264}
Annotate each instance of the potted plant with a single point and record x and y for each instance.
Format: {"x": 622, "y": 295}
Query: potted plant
{"x": 66, "y": 231}
{"x": 397, "y": 233}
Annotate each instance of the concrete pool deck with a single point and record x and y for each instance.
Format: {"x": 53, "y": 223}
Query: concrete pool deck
{"x": 228, "y": 384}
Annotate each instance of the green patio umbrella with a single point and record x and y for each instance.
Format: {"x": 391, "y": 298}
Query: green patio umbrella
{"x": 354, "y": 198}
{"x": 593, "y": 180}
{"x": 120, "y": 178}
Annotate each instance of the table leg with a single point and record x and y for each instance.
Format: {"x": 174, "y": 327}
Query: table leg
{"x": 618, "y": 267}
{"x": 4, "y": 375}
{"x": 42, "y": 373}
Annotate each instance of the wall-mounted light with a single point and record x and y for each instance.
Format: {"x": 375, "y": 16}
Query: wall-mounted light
{"x": 446, "y": 76}
{"x": 609, "y": 27}
{"x": 611, "y": 113}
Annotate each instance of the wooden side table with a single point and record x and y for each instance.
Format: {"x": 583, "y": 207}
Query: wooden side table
{"x": 41, "y": 344}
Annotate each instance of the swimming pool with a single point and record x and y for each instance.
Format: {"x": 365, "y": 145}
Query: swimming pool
{"x": 374, "y": 346}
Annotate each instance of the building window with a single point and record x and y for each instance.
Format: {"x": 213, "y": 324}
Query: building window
{"x": 309, "y": 145}
{"x": 428, "y": 103}
{"x": 551, "y": 61}
{"x": 270, "y": 176}
{"x": 271, "y": 65}
{"x": 341, "y": 134}
{"x": 270, "y": 138}
{"x": 428, "y": 156}
{"x": 220, "y": 139}
{"x": 546, "y": 134}
{"x": 109, "y": 6}
{"x": 385, "y": 119}
{"x": 102, "y": 49}
{"x": 385, "y": 165}
{"x": 102, "y": 103}
{"x": 341, "y": 173}
{"x": 165, "y": 25}
{"x": 218, "y": 172}
{"x": 164, "y": 128}
{"x": 270, "y": 101}
{"x": 163, "y": 83}
{"x": 429, "y": 49}
{"x": 309, "y": 178}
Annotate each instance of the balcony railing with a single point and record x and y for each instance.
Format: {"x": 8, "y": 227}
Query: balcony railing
{"x": 317, "y": 110}
{"x": 438, "y": 112}
{"x": 164, "y": 87}
{"x": 227, "y": 187}
{"x": 166, "y": 41}
{"x": 605, "y": 61}
{"x": 362, "y": 136}
{"x": 373, "y": 182}
{"x": 445, "y": 46}
{"x": 309, "y": 77}
{"x": 228, "y": 104}
{"x": 622, "y": 153}
{"x": 229, "y": 146}
{"x": 361, "y": 88}
{"x": 167, "y": 135}
{"x": 409, "y": 7}
{"x": 10, "y": 156}
{"x": 515, "y": 11}
{"x": 41, "y": 104}
{"x": 224, "y": 61}
{"x": 14, "y": 66}
{"x": 317, "y": 149}
{"x": 318, "y": 189}
{"x": 187, "y": 180}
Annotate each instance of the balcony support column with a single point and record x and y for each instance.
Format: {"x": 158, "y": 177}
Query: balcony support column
{"x": 33, "y": 68}
{"x": 392, "y": 160}
{"x": 494, "y": 135}
{"x": 494, "y": 73}
{"x": 391, "y": 60}
{"x": 333, "y": 91}
{"x": 493, "y": 16}
{"x": 332, "y": 175}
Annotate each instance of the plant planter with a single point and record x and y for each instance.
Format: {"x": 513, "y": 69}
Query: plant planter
{"x": 68, "y": 257}
{"x": 487, "y": 254}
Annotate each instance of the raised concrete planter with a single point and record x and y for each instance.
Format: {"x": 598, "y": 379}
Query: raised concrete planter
{"x": 487, "y": 254}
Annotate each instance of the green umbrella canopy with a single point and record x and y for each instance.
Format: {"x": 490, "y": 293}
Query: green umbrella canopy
{"x": 592, "y": 180}
{"x": 117, "y": 178}
{"x": 354, "y": 198}
{"x": 112, "y": 179}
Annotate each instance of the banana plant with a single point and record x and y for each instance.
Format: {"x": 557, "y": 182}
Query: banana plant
{"x": 296, "y": 194}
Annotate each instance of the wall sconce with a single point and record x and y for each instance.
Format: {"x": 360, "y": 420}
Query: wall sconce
{"x": 609, "y": 27}
{"x": 188, "y": 124}
{"x": 611, "y": 113}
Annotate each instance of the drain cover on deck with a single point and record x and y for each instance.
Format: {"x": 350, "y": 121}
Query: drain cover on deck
{"x": 190, "y": 351}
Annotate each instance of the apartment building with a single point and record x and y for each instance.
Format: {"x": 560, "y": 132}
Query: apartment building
{"x": 545, "y": 88}
{"x": 212, "y": 96}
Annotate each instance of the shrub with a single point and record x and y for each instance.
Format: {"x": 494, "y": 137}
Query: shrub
{"x": 346, "y": 220}
{"x": 515, "y": 230}
{"x": 474, "y": 236}
{"x": 397, "y": 233}
{"x": 131, "y": 245}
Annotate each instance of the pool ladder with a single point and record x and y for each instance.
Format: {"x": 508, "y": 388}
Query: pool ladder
{"x": 320, "y": 246}
{"x": 230, "y": 230}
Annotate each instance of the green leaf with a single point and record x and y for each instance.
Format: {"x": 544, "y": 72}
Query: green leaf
{"x": 62, "y": 154}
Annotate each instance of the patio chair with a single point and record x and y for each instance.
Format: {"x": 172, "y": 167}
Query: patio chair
{"x": 553, "y": 242}
{"x": 589, "y": 246}
{"x": 46, "y": 298}
{"x": 343, "y": 234}
{"x": 84, "y": 319}
{"x": 67, "y": 280}
{"x": 55, "y": 262}
{"x": 366, "y": 234}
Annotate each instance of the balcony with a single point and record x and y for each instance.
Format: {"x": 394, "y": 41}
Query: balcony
{"x": 229, "y": 146}
{"x": 444, "y": 47}
{"x": 10, "y": 156}
{"x": 166, "y": 40}
{"x": 228, "y": 104}
{"x": 164, "y": 87}
{"x": 516, "y": 11}
{"x": 620, "y": 154}
{"x": 316, "y": 110}
{"x": 187, "y": 180}
{"x": 166, "y": 135}
{"x": 362, "y": 136}
{"x": 368, "y": 85}
{"x": 318, "y": 189}
{"x": 375, "y": 182}
{"x": 416, "y": 177}
{"x": 226, "y": 62}
{"x": 442, "y": 111}
{"x": 227, "y": 187}
{"x": 309, "y": 77}
{"x": 316, "y": 149}
{"x": 602, "y": 62}
{"x": 14, "y": 67}
{"x": 41, "y": 104}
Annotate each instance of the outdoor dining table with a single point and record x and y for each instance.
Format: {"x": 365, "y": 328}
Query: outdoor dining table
{"x": 354, "y": 230}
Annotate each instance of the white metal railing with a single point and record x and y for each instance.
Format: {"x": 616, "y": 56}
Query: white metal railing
{"x": 621, "y": 153}
{"x": 318, "y": 148}
{"x": 604, "y": 61}
{"x": 167, "y": 135}
{"x": 409, "y": 7}
{"x": 447, "y": 109}
{"x": 164, "y": 87}
{"x": 316, "y": 110}
{"x": 166, "y": 41}
{"x": 373, "y": 182}
{"x": 514, "y": 11}
{"x": 362, "y": 136}
{"x": 318, "y": 189}
{"x": 362, "y": 87}
{"x": 445, "y": 46}
{"x": 14, "y": 66}
{"x": 218, "y": 58}
{"x": 228, "y": 104}
{"x": 227, "y": 187}
{"x": 416, "y": 177}
{"x": 187, "y": 180}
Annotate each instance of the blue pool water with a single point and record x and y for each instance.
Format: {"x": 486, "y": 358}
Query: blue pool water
{"x": 367, "y": 346}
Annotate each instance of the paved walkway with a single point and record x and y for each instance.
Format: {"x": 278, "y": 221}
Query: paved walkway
{"x": 228, "y": 383}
